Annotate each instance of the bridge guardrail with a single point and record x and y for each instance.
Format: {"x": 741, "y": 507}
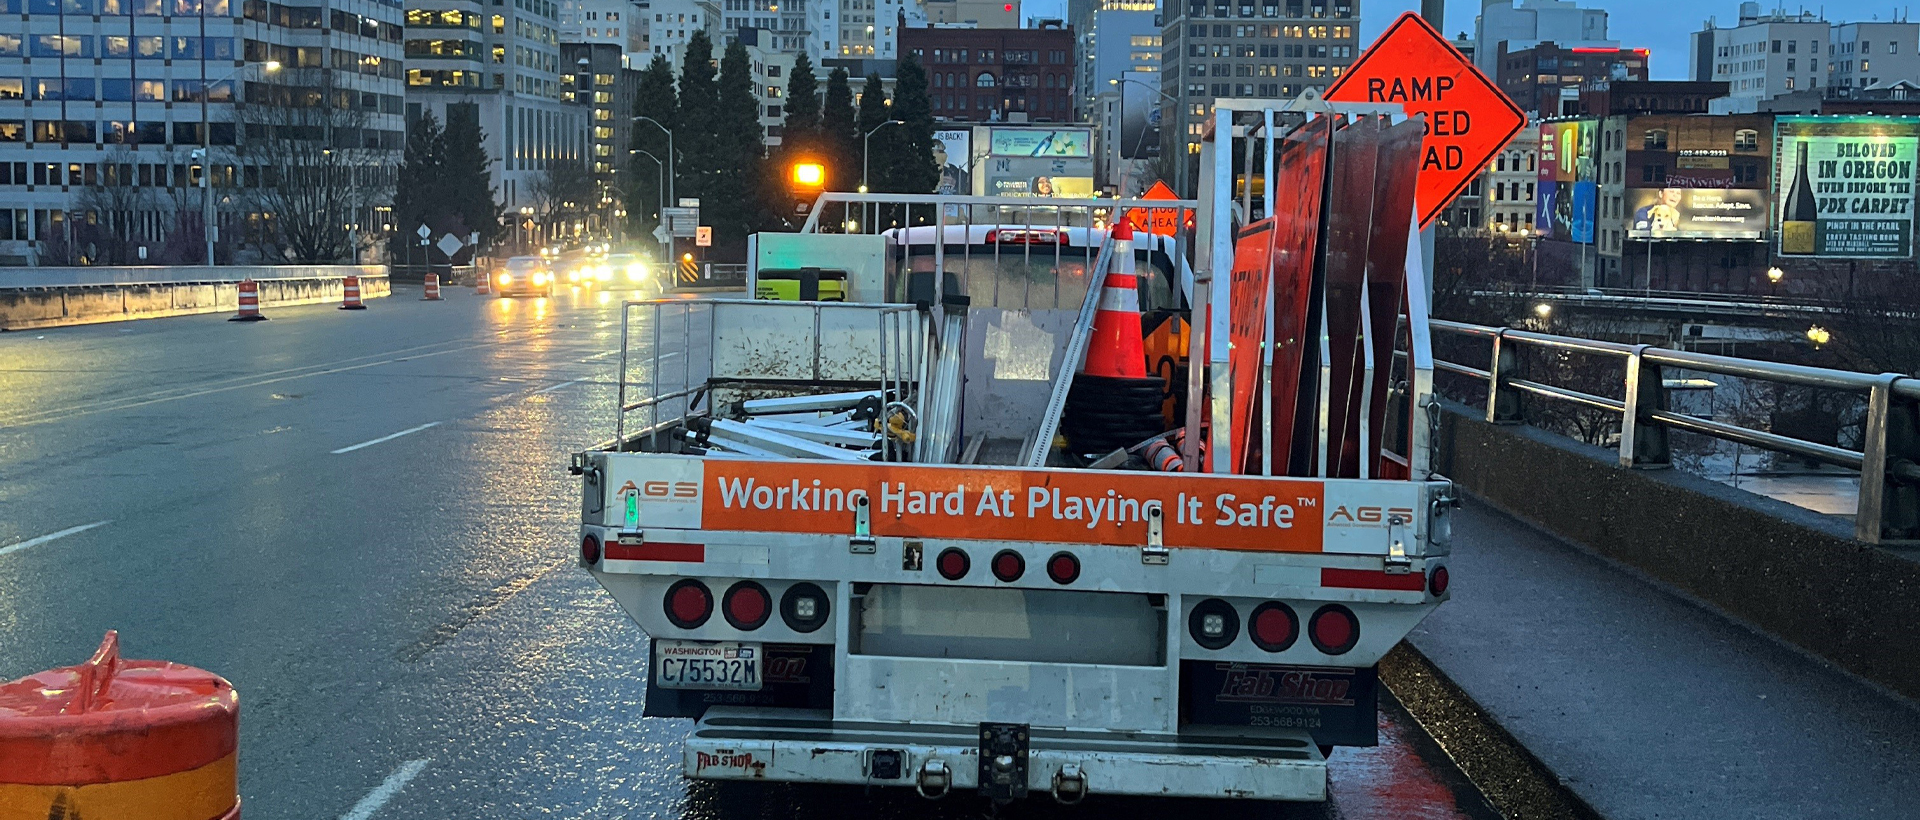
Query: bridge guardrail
{"x": 136, "y": 275}
{"x": 1888, "y": 461}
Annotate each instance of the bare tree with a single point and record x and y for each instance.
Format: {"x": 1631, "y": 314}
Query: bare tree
{"x": 563, "y": 189}
{"x": 115, "y": 211}
{"x": 319, "y": 160}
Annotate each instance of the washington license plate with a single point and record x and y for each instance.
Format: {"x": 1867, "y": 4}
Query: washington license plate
{"x": 707, "y": 665}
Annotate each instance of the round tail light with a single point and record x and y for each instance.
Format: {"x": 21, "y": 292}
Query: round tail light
{"x": 804, "y": 607}
{"x": 1008, "y": 566}
{"x": 689, "y": 603}
{"x": 1213, "y": 623}
{"x": 590, "y": 550}
{"x": 1273, "y": 626}
{"x": 953, "y": 563}
{"x": 1063, "y": 568}
{"x": 1334, "y": 629}
{"x": 746, "y": 605}
{"x": 1437, "y": 581}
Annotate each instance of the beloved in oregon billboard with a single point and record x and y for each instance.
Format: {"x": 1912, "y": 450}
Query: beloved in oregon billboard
{"x": 1696, "y": 213}
{"x": 1844, "y": 186}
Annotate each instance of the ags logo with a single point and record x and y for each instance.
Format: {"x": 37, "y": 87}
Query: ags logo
{"x": 1344, "y": 516}
{"x": 670, "y": 489}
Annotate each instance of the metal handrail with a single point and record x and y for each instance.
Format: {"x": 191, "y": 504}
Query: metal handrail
{"x": 1889, "y": 507}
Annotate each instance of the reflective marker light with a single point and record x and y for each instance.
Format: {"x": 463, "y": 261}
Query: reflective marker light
{"x": 804, "y": 607}
{"x": 1437, "y": 581}
{"x": 689, "y": 603}
{"x": 1063, "y": 568}
{"x": 1273, "y": 626}
{"x": 1334, "y": 629}
{"x": 952, "y": 564}
{"x": 1213, "y": 623}
{"x": 633, "y": 512}
{"x": 589, "y": 551}
{"x": 746, "y": 605}
{"x": 1008, "y": 566}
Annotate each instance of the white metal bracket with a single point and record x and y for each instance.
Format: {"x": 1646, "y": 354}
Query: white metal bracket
{"x": 1397, "y": 561}
{"x": 1155, "y": 552}
{"x": 862, "y": 542}
{"x": 630, "y": 534}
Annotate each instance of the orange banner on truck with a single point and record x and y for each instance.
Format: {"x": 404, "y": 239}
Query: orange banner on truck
{"x": 1220, "y": 512}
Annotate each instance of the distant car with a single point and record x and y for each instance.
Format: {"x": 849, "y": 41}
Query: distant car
{"x": 626, "y": 271}
{"x": 523, "y": 276}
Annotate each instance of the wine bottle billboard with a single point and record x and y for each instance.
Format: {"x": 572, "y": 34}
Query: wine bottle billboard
{"x": 1844, "y": 186}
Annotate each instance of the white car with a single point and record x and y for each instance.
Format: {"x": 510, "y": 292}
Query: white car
{"x": 627, "y": 271}
{"x": 523, "y": 275}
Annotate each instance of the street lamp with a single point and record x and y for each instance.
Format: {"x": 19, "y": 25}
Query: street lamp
{"x": 1180, "y": 171}
{"x": 663, "y": 192}
{"x": 671, "y": 176}
{"x": 866, "y": 149}
{"x": 1774, "y": 275}
{"x": 204, "y": 155}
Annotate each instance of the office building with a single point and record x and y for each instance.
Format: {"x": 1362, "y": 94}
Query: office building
{"x": 1009, "y": 75}
{"x": 772, "y": 67}
{"x": 1872, "y": 55}
{"x": 498, "y": 63}
{"x": 854, "y": 29}
{"x": 1540, "y": 77}
{"x": 976, "y": 13}
{"x": 1116, "y": 37}
{"x": 1525, "y": 23}
{"x": 674, "y": 22}
{"x": 1765, "y": 55}
{"x": 1270, "y": 48}
{"x": 104, "y": 102}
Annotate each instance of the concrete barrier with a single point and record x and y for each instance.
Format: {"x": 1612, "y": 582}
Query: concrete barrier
{"x": 129, "y": 294}
{"x": 1793, "y": 573}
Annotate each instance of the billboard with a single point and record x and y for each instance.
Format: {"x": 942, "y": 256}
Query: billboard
{"x": 953, "y": 152}
{"x": 1031, "y": 176}
{"x": 1566, "y": 188}
{"x": 1696, "y": 213}
{"x": 1041, "y": 142}
{"x": 1845, "y": 186}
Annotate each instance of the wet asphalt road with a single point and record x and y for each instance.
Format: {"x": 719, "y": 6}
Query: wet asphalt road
{"x": 381, "y": 600}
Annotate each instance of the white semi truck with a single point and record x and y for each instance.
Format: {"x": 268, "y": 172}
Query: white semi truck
{"x": 862, "y": 555}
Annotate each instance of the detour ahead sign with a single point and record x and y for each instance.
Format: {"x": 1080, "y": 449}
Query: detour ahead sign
{"x": 1468, "y": 119}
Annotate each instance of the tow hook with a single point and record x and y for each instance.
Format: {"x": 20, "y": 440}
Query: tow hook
{"x": 934, "y": 780}
{"x": 1069, "y": 784}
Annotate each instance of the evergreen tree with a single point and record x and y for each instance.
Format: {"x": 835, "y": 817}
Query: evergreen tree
{"x": 800, "y": 135}
{"x": 910, "y": 167}
{"x": 734, "y": 203}
{"x": 872, "y": 153}
{"x": 654, "y": 98}
{"x": 469, "y": 192}
{"x": 836, "y": 133}
{"x": 417, "y": 184}
{"x": 697, "y": 135}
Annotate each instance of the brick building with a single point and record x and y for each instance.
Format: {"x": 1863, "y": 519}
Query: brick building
{"x": 986, "y": 74}
{"x": 1537, "y": 78}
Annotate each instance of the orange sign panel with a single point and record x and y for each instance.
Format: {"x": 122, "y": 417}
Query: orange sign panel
{"x": 1468, "y": 119}
{"x": 1060, "y": 506}
{"x": 1163, "y": 221}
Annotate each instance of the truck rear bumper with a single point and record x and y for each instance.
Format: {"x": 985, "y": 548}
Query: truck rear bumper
{"x": 809, "y": 747}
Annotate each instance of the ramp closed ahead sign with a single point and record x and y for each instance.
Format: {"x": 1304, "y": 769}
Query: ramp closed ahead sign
{"x": 1468, "y": 119}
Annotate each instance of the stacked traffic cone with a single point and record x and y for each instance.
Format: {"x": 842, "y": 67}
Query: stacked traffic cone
{"x": 433, "y": 288}
{"x": 350, "y": 287}
{"x": 249, "y": 303}
{"x": 481, "y": 287}
{"x": 1113, "y": 405}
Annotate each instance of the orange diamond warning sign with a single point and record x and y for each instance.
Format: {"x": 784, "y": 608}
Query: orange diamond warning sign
{"x": 1163, "y": 221}
{"x": 1468, "y": 119}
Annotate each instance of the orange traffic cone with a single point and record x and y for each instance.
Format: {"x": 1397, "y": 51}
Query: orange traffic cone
{"x": 350, "y": 287}
{"x": 480, "y": 287}
{"x": 433, "y": 288}
{"x": 249, "y": 303}
{"x": 1115, "y": 349}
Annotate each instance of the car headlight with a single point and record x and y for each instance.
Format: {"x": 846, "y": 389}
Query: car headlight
{"x": 539, "y": 278}
{"x": 506, "y": 278}
{"x": 603, "y": 273}
{"x": 636, "y": 272}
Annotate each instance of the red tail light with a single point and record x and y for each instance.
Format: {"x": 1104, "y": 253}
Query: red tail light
{"x": 689, "y": 604}
{"x": 1273, "y": 626}
{"x": 1334, "y": 629}
{"x": 1008, "y": 566}
{"x": 589, "y": 551}
{"x": 746, "y": 605}
{"x": 952, "y": 563}
{"x": 1437, "y": 581}
{"x": 1063, "y": 568}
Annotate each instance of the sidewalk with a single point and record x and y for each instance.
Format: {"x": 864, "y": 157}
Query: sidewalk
{"x": 1649, "y": 706}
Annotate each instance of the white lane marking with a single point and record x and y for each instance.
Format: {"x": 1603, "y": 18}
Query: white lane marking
{"x": 665, "y": 356}
{"x": 601, "y": 355}
{"x": 387, "y": 790}
{"x": 555, "y": 387}
{"x": 34, "y": 542}
{"x": 388, "y": 437}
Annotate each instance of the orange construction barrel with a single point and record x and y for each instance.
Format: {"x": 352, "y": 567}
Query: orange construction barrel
{"x": 115, "y": 739}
